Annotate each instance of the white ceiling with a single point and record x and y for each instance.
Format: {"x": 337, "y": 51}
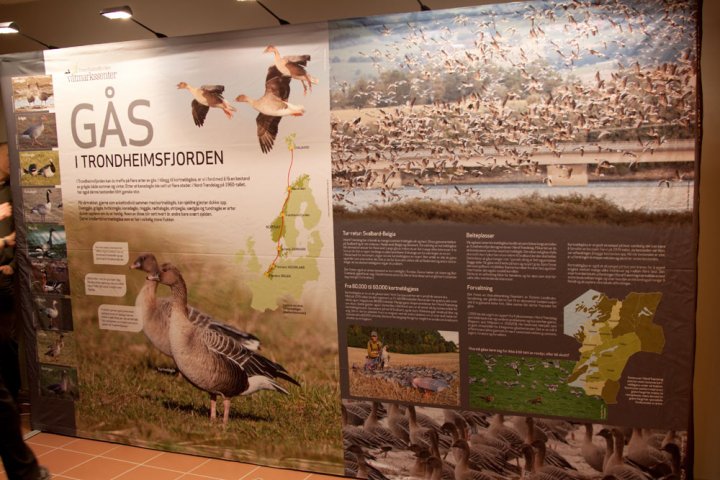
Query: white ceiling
{"x": 69, "y": 23}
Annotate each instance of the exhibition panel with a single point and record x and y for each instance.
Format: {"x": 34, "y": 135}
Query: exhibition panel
{"x": 423, "y": 245}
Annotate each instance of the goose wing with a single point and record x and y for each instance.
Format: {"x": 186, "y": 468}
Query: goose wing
{"x": 251, "y": 363}
{"x": 199, "y": 112}
{"x": 267, "y": 129}
{"x": 277, "y": 87}
{"x": 207, "y": 321}
{"x": 213, "y": 94}
{"x": 276, "y": 84}
{"x": 298, "y": 59}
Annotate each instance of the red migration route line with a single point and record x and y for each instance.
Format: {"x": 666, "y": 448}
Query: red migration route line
{"x": 282, "y": 215}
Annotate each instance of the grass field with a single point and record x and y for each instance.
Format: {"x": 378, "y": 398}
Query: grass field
{"x": 530, "y": 209}
{"x": 540, "y": 387}
{"x": 364, "y": 386}
{"x": 125, "y": 399}
{"x": 40, "y": 159}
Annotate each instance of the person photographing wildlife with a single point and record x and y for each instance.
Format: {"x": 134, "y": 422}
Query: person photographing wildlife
{"x": 374, "y": 347}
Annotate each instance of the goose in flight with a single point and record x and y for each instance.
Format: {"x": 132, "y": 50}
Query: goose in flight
{"x": 205, "y": 97}
{"x": 272, "y": 107}
{"x": 294, "y": 67}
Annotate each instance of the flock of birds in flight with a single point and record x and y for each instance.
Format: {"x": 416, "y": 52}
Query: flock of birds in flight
{"x": 271, "y": 107}
{"x": 409, "y": 133}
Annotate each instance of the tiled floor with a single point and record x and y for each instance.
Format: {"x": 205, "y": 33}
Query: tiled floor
{"x": 70, "y": 458}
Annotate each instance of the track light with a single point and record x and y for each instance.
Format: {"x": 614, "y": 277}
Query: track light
{"x": 12, "y": 27}
{"x": 423, "y": 7}
{"x": 280, "y": 20}
{"x": 124, "y": 13}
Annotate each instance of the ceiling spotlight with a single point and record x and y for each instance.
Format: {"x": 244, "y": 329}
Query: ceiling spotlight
{"x": 124, "y": 13}
{"x": 280, "y": 20}
{"x": 12, "y": 27}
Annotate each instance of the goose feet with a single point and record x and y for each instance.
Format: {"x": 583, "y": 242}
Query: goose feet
{"x": 226, "y": 411}
{"x": 213, "y": 407}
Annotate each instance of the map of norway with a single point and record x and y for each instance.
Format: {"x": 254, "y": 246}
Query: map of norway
{"x": 610, "y": 331}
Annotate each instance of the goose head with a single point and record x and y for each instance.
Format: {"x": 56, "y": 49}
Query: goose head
{"x": 168, "y": 274}
{"x": 182, "y": 85}
{"x": 147, "y": 263}
{"x": 270, "y": 48}
{"x": 242, "y": 98}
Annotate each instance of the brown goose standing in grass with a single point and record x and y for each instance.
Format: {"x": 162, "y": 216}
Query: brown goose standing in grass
{"x": 213, "y": 361}
{"x": 154, "y": 313}
{"x": 294, "y": 67}
{"x": 54, "y": 350}
{"x": 273, "y": 105}
{"x": 204, "y": 98}
{"x": 34, "y": 131}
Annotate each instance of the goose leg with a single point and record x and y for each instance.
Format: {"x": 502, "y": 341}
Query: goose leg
{"x": 213, "y": 406}
{"x": 226, "y": 411}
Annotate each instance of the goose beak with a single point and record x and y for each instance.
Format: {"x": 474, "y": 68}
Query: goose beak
{"x": 135, "y": 266}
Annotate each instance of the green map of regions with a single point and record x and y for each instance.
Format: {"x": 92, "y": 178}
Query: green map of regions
{"x": 297, "y": 244}
{"x": 610, "y": 331}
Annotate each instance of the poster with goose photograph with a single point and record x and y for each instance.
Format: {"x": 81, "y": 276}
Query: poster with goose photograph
{"x": 492, "y": 189}
{"x": 208, "y": 187}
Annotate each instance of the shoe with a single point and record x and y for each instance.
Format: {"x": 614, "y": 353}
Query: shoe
{"x": 44, "y": 473}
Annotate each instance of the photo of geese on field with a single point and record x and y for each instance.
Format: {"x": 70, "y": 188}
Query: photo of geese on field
{"x": 508, "y": 114}
{"x": 421, "y": 366}
{"x": 400, "y": 441}
{"x": 529, "y": 384}
{"x": 49, "y": 276}
{"x": 40, "y": 168}
{"x": 34, "y": 93}
{"x": 53, "y": 313}
{"x": 45, "y": 240}
{"x": 214, "y": 376}
{"x": 36, "y": 131}
{"x": 59, "y": 382}
{"x": 56, "y": 348}
{"x": 43, "y": 205}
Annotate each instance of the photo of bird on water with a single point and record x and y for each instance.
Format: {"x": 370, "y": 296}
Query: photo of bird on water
{"x": 46, "y": 240}
{"x": 40, "y": 168}
{"x": 36, "y": 131}
{"x": 404, "y": 364}
{"x": 516, "y": 114}
{"x": 401, "y": 441}
{"x": 34, "y": 93}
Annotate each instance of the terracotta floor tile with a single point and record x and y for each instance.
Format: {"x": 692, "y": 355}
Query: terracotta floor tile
{"x": 91, "y": 447}
{"x": 321, "y": 476}
{"x": 176, "y": 462}
{"x": 58, "y": 461}
{"x": 50, "y": 440}
{"x": 223, "y": 469}
{"x": 149, "y": 473}
{"x": 190, "y": 476}
{"x": 99, "y": 469}
{"x": 267, "y": 473}
{"x": 39, "y": 450}
{"x": 131, "y": 454}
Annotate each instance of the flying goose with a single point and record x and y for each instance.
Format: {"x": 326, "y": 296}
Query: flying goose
{"x": 294, "y": 67}
{"x": 44, "y": 208}
{"x": 205, "y": 97}
{"x": 154, "y": 313}
{"x": 272, "y": 106}
{"x": 213, "y": 361}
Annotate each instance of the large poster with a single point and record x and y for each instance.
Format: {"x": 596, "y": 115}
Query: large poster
{"x": 436, "y": 245}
